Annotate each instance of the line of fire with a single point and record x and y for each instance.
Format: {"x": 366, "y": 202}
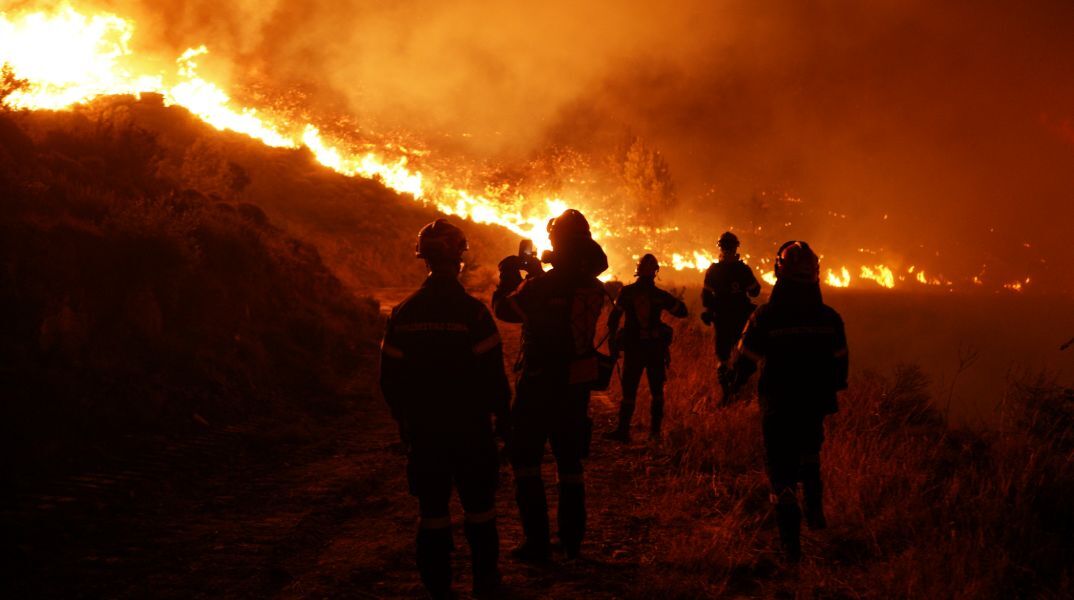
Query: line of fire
{"x": 466, "y": 298}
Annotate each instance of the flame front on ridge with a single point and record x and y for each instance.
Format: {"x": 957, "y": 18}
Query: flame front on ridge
{"x": 70, "y": 58}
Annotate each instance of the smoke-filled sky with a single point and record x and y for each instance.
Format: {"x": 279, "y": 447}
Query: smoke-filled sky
{"x": 952, "y": 117}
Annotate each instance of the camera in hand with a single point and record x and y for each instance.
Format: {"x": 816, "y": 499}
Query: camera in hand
{"x": 528, "y": 254}
{"x": 525, "y": 249}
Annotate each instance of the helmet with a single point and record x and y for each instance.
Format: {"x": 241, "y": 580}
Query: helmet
{"x": 796, "y": 261}
{"x": 441, "y": 240}
{"x": 647, "y": 266}
{"x": 570, "y": 224}
{"x": 728, "y": 240}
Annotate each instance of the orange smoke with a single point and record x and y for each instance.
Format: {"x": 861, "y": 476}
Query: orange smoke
{"x": 69, "y": 57}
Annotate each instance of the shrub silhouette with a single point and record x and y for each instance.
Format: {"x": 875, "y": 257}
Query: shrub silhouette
{"x": 130, "y": 303}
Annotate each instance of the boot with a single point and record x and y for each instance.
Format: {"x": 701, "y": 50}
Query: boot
{"x": 657, "y": 419}
{"x": 533, "y": 510}
{"x": 532, "y": 553}
{"x": 618, "y": 434}
{"x": 813, "y": 496}
{"x": 727, "y": 387}
{"x": 727, "y": 395}
{"x": 626, "y": 415}
{"x": 571, "y": 516}
{"x": 484, "y": 555}
{"x": 789, "y": 519}
{"x": 434, "y": 561}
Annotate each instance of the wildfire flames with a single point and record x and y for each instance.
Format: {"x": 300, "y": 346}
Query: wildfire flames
{"x": 69, "y": 58}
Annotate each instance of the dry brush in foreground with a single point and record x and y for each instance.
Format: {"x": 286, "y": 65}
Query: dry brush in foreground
{"x": 917, "y": 508}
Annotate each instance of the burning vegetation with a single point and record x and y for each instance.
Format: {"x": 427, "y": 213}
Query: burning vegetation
{"x": 185, "y": 248}
{"x": 68, "y": 56}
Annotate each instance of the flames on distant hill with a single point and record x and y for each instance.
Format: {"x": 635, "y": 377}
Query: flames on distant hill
{"x": 69, "y": 56}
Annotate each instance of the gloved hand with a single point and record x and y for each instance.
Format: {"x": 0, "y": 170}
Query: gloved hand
{"x": 706, "y": 318}
{"x": 532, "y": 266}
{"x": 503, "y": 431}
{"x": 509, "y": 272}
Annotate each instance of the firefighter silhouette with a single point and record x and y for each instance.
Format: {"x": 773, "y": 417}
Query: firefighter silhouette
{"x": 645, "y": 342}
{"x": 442, "y": 375}
{"x": 729, "y": 285}
{"x": 559, "y": 310}
{"x": 801, "y": 346}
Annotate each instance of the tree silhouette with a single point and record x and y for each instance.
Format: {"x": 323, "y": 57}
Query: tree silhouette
{"x": 645, "y": 178}
{"x": 9, "y": 84}
{"x": 206, "y": 169}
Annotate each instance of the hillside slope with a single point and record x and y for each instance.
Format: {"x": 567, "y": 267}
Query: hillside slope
{"x": 363, "y": 230}
{"x": 129, "y": 302}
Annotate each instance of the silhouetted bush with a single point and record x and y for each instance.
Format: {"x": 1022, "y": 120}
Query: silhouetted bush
{"x": 645, "y": 178}
{"x": 129, "y": 303}
{"x": 9, "y": 84}
{"x": 363, "y": 231}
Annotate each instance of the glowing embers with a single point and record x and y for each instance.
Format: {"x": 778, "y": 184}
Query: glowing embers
{"x": 1017, "y": 286}
{"x": 880, "y": 274}
{"x": 840, "y": 280}
{"x": 481, "y": 209}
{"x": 69, "y": 58}
{"x": 699, "y": 261}
{"x": 922, "y": 278}
{"x": 394, "y": 175}
{"x": 210, "y": 103}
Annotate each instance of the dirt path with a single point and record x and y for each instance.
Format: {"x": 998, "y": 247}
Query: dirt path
{"x": 232, "y": 512}
{"x": 275, "y": 510}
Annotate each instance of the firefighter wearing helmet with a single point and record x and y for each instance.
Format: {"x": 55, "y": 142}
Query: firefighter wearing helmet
{"x": 801, "y": 346}
{"x": 645, "y": 341}
{"x": 442, "y": 375}
{"x": 729, "y": 285}
{"x": 559, "y": 310}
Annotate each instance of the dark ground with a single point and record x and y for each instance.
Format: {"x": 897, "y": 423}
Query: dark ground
{"x": 315, "y": 508}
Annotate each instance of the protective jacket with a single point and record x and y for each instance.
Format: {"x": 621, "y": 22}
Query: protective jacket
{"x": 642, "y": 303}
{"x": 729, "y": 284}
{"x": 442, "y": 368}
{"x": 645, "y": 340}
{"x": 559, "y": 311}
{"x": 803, "y": 346}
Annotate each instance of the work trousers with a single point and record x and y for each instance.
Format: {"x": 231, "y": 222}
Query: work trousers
{"x": 792, "y": 454}
{"x": 548, "y": 411}
{"x": 648, "y": 357}
{"x": 472, "y": 467}
{"x": 728, "y": 326}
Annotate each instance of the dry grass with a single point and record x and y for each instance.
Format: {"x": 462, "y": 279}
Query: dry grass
{"x": 128, "y": 304}
{"x": 916, "y": 509}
